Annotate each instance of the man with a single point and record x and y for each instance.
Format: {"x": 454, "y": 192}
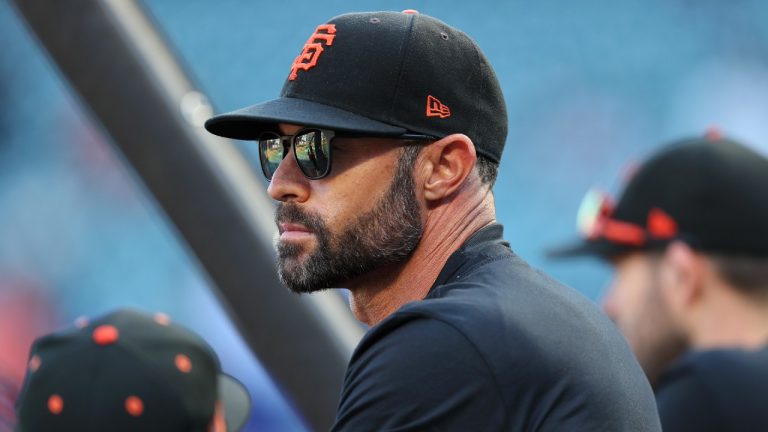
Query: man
{"x": 382, "y": 151}
{"x": 128, "y": 371}
{"x": 689, "y": 242}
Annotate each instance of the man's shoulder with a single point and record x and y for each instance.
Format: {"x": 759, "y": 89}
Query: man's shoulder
{"x": 421, "y": 372}
{"x": 719, "y": 371}
{"x": 534, "y": 342}
{"x": 498, "y": 296}
{"x": 701, "y": 387}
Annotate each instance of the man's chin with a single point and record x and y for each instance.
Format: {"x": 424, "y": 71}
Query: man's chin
{"x": 299, "y": 286}
{"x": 293, "y": 254}
{"x": 301, "y": 289}
{"x": 293, "y": 275}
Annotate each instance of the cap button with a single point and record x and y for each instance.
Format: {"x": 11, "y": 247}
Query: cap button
{"x": 411, "y": 12}
{"x": 162, "y": 319}
{"x": 55, "y": 404}
{"x": 134, "y": 405}
{"x": 713, "y": 134}
{"x": 34, "y": 363}
{"x": 105, "y": 335}
{"x": 183, "y": 363}
{"x": 81, "y": 322}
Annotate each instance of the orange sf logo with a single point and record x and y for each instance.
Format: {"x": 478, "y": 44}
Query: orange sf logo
{"x": 312, "y": 49}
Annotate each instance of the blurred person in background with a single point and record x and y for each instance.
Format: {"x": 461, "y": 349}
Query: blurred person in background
{"x": 382, "y": 152}
{"x": 128, "y": 371}
{"x": 688, "y": 240}
{"x": 26, "y": 312}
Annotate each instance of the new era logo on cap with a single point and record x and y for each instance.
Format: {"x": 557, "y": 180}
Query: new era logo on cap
{"x": 436, "y": 109}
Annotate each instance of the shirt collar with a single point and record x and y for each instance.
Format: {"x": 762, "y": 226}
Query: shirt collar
{"x": 488, "y": 235}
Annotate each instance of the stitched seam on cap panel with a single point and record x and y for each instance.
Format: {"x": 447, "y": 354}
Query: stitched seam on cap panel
{"x": 405, "y": 49}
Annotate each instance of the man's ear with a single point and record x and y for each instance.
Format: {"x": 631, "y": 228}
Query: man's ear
{"x": 683, "y": 275}
{"x": 446, "y": 165}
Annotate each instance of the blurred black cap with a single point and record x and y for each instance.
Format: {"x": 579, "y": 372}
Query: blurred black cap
{"x": 711, "y": 192}
{"x": 127, "y": 371}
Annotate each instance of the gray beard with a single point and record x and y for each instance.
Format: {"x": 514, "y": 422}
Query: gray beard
{"x": 387, "y": 234}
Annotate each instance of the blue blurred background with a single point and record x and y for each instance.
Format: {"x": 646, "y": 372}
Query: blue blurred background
{"x": 592, "y": 87}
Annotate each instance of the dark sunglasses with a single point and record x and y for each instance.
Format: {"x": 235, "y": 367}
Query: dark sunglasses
{"x": 311, "y": 149}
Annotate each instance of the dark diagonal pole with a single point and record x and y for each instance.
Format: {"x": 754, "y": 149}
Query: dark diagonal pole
{"x": 129, "y": 80}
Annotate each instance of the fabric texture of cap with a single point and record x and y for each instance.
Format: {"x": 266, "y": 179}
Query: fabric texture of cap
{"x": 384, "y": 74}
{"x": 710, "y": 192}
{"x": 127, "y": 371}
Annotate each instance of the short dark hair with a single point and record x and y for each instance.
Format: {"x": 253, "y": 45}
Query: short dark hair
{"x": 410, "y": 153}
{"x": 487, "y": 169}
{"x": 745, "y": 273}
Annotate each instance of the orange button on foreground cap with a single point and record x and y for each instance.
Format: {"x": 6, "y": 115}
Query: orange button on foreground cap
{"x": 34, "y": 363}
{"x": 55, "y": 404}
{"x": 81, "y": 322}
{"x": 105, "y": 334}
{"x": 134, "y": 406}
{"x": 162, "y": 319}
{"x": 411, "y": 12}
{"x": 713, "y": 133}
{"x": 183, "y": 363}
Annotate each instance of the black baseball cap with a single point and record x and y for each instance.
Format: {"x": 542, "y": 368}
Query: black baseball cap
{"x": 710, "y": 192}
{"x": 384, "y": 74}
{"x": 127, "y": 371}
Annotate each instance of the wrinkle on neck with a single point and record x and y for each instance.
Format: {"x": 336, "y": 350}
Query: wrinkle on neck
{"x": 448, "y": 225}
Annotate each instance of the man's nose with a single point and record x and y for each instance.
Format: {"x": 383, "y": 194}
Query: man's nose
{"x": 288, "y": 183}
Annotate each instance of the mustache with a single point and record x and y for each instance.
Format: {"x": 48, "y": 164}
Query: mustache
{"x": 292, "y": 213}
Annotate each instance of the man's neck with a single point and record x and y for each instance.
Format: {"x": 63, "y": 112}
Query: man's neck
{"x": 733, "y": 321}
{"x": 378, "y": 294}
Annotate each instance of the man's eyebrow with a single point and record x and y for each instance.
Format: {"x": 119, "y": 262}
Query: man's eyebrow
{"x": 282, "y": 127}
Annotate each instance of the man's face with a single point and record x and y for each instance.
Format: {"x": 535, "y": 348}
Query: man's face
{"x": 362, "y": 216}
{"x": 637, "y": 304}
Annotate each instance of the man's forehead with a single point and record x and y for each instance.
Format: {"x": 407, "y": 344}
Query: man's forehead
{"x": 289, "y": 129}
{"x": 623, "y": 259}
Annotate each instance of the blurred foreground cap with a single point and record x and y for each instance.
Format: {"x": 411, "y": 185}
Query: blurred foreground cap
{"x": 127, "y": 371}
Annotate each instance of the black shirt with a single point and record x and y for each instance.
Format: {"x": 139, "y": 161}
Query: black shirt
{"x": 715, "y": 390}
{"x": 495, "y": 346}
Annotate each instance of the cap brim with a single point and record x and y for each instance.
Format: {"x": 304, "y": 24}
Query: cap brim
{"x": 598, "y": 248}
{"x": 248, "y": 123}
{"x": 236, "y": 401}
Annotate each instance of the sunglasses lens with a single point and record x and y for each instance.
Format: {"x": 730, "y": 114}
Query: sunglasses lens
{"x": 271, "y": 153}
{"x": 312, "y": 151}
